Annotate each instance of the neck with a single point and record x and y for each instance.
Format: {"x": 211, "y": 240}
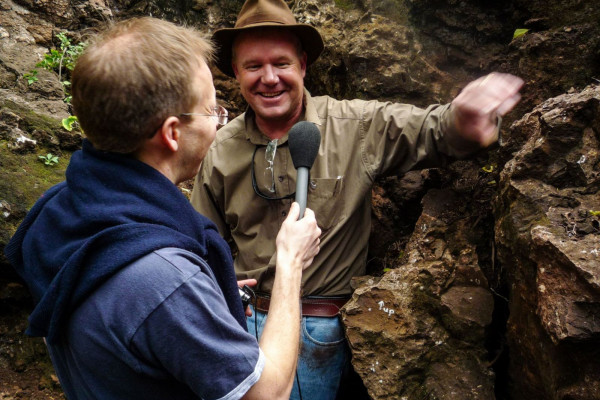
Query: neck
{"x": 276, "y": 129}
{"x": 158, "y": 161}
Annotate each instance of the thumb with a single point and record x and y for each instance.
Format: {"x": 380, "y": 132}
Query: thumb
{"x": 294, "y": 212}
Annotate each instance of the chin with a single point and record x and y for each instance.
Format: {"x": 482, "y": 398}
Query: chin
{"x": 274, "y": 115}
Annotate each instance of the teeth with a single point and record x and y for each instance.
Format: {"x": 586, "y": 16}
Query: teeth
{"x": 271, "y": 94}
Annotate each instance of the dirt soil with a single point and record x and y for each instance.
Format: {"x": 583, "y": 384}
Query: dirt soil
{"x": 25, "y": 368}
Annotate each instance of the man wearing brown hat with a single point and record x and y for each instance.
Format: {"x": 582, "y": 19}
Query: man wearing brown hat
{"x": 247, "y": 180}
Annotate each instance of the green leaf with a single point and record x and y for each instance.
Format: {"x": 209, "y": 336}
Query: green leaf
{"x": 595, "y": 213}
{"x": 31, "y": 76}
{"x": 67, "y": 123}
{"x": 64, "y": 41}
{"x": 519, "y": 32}
{"x": 49, "y": 159}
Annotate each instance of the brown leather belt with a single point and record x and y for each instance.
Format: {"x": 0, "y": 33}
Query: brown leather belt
{"x": 311, "y": 307}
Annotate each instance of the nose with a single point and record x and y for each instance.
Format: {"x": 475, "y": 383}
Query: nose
{"x": 269, "y": 76}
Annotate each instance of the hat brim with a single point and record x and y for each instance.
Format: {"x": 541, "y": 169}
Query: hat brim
{"x": 311, "y": 40}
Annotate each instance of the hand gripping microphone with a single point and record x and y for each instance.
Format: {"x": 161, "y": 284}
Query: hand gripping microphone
{"x": 304, "y": 140}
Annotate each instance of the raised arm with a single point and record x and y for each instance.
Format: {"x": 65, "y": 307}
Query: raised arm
{"x": 297, "y": 245}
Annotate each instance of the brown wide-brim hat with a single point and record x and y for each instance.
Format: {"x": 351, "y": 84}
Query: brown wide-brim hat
{"x": 257, "y": 14}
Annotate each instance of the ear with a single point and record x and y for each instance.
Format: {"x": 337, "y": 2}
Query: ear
{"x": 170, "y": 133}
{"x": 303, "y": 64}
{"x": 235, "y": 69}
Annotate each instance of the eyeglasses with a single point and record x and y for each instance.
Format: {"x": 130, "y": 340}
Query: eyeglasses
{"x": 270, "y": 157}
{"x": 219, "y": 114}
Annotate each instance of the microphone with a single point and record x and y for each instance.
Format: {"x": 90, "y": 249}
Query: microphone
{"x": 304, "y": 139}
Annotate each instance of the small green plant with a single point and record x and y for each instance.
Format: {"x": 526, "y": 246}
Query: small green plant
{"x": 595, "y": 213}
{"x": 51, "y": 60}
{"x": 31, "y": 76}
{"x": 49, "y": 159}
{"x": 68, "y": 123}
{"x": 61, "y": 60}
{"x": 63, "y": 57}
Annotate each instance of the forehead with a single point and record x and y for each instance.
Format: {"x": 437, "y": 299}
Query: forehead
{"x": 266, "y": 38}
{"x": 203, "y": 82}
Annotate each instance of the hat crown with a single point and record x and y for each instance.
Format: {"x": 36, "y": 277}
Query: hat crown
{"x": 265, "y": 11}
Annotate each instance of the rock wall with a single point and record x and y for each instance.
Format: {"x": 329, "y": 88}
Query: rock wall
{"x": 548, "y": 236}
{"x": 450, "y": 267}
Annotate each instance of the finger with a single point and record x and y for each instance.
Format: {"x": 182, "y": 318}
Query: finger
{"x": 249, "y": 282}
{"x": 248, "y": 311}
{"x": 307, "y": 263}
{"x": 308, "y": 213}
{"x": 496, "y": 85}
{"x": 514, "y": 83}
{"x": 508, "y": 104}
{"x": 294, "y": 212}
{"x": 492, "y": 101}
{"x": 309, "y": 216}
{"x": 315, "y": 249}
{"x": 489, "y": 138}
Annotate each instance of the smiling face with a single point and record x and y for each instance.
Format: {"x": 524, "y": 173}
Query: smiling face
{"x": 270, "y": 69}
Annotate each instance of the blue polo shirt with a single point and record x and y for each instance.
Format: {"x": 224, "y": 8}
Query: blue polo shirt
{"x": 158, "y": 329}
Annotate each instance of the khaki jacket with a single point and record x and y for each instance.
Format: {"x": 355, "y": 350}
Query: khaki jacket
{"x": 360, "y": 142}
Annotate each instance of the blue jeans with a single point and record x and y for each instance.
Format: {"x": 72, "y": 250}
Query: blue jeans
{"x": 323, "y": 356}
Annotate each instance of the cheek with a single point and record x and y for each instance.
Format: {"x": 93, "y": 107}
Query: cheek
{"x": 248, "y": 79}
{"x": 209, "y": 135}
{"x": 243, "y": 79}
{"x": 292, "y": 78}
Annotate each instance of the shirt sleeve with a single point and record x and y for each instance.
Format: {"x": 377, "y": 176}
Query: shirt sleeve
{"x": 207, "y": 195}
{"x": 397, "y": 138}
{"x": 194, "y": 337}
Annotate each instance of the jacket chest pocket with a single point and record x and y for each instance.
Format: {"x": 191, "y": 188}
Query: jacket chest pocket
{"x": 326, "y": 200}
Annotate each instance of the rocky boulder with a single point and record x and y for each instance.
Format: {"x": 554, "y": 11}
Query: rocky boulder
{"x": 420, "y": 330}
{"x": 548, "y": 236}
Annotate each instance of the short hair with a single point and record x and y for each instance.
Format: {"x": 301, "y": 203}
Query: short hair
{"x": 133, "y": 76}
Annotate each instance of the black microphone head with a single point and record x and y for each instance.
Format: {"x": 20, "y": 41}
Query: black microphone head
{"x": 304, "y": 139}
